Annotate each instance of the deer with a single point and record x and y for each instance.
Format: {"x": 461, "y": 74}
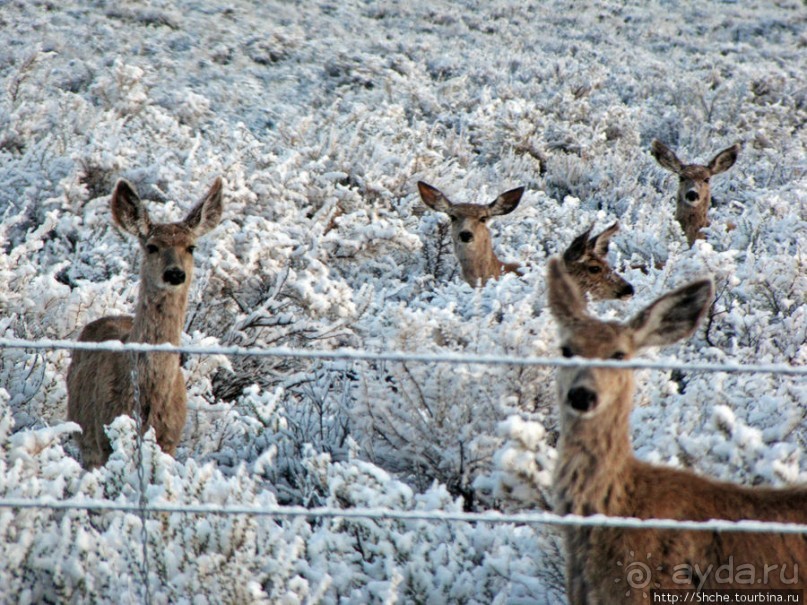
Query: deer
{"x": 694, "y": 190}
{"x": 598, "y": 473}
{"x": 100, "y": 384}
{"x": 470, "y": 234}
{"x": 585, "y": 261}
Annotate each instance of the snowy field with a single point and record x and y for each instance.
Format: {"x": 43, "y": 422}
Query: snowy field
{"x": 321, "y": 117}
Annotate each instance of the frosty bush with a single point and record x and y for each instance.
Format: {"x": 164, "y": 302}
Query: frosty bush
{"x": 421, "y": 561}
{"x": 320, "y": 123}
{"x": 439, "y": 421}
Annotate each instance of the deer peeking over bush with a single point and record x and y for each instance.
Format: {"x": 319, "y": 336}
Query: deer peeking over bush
{"x": 100, "y": 384}
{"x": 584, "y": 258}
{"x": 694, "y": 189}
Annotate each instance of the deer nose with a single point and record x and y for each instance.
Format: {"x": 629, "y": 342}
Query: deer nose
{"x": 626, "y": 291}
{"x": 691, "y": 196}
{"x": 466, "y": 236}
{"x": 582, "y": 399}
{"x": 174, "y": 276}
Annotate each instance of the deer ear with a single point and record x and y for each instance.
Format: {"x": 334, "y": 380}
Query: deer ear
{"x": 506, "y": 202}
{"x": 206, "y": 214}
{"x": 673, "y": 316}
{"x": 565, "y": 300}
{"x": 599, "y": 243}
{"x": 665, "y": 157}
{"x": 724, "y": 160}
{"x": 128, "y": 211}
{"x": 434, "y": 198}
{"x": 578, "y": 247}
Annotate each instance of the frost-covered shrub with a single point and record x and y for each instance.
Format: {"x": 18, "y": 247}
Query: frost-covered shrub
{"x": 427, "y": 421}
{"x": 522, "y": 475}
{"x": 321, "y": 122}
{"x": 421, "y": 561}
{"x": 81, "y": 556}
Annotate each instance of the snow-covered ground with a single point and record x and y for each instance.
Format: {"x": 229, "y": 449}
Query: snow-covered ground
{"x": 321, "y": 117}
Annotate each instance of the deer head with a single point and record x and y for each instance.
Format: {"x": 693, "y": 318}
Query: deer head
{"x": 587, "y": 391}
{"x": 586, "y": 263}
{"x": 470, "y": 233}
{"x": 167, "y": 247}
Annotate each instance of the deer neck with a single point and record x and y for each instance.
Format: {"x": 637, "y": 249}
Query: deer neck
{"x": 159, "y": 318}
{"x": 692, "y": 218}
{"x": 159, "y": 315}
{"x": 595, "y": 460}
{"x": 479, "y": 267}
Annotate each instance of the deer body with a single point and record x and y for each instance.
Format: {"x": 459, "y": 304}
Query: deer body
{"x": 597, "y": 472}
{"x": 470, "y": 234}
{"x": 694, "y": 190}
{"x": 100, "y": 383}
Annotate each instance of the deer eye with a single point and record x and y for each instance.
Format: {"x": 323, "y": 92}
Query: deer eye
{"x": 566, "y": 352}
{"x": 594, "y": 269}
{"x": 190, "y": 249}
{"x": 483, "y": 220}
{"x": 619, "y": 355}
{"x": 706, "y": 180}
{"x": 152, "y": 249}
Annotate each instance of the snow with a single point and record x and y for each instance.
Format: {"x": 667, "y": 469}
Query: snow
{"x": 321, "y": 117}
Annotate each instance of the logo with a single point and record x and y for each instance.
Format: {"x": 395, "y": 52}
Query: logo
{"x": 637, "y": 575}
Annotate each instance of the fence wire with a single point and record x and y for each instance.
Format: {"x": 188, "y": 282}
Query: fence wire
{"x": 401, "y": 356}
{"x": 436, "y": 516}
{"x": 374, "y": 514}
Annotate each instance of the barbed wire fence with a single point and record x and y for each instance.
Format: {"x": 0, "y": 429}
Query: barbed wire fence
{"x": 143, "y": 508}
{"x": 355, "y": 355}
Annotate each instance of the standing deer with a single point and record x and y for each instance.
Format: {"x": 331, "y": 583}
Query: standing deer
{"x": 597, "y": 472}
{"x": 694, "y": 191}
{"x": 100, "y": 383}
{"x": 584, "y": 259}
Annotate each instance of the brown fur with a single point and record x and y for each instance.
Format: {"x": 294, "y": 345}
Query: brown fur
{"x": 585, "y": 257}
{"x": 694, "y": 189}
{"x": 597, "y": 472}
{"x": 470, "y": 233}
{"x": 584, "y": 260}
{"x": 99, "y": 383}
